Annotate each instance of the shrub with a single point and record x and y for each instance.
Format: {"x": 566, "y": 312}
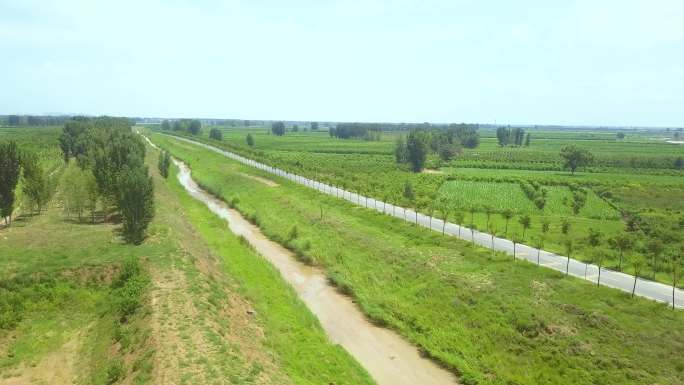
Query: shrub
{"x": 216, "y": 134}
{"x": 129, "y": 288}
{"x": 115, "y": 371}
{"x": 293, "y": 234}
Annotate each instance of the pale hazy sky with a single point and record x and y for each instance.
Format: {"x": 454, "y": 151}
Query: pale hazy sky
{"x": 588, "y": 62}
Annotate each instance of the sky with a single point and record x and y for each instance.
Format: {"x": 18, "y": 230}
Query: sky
{"x": 598, "y": 62}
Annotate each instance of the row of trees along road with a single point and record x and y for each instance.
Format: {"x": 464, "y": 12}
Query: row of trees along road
{"x": 193, "y": 126}
{"x": 445, "y": 143}
{"x": 36, "y": 185}
{"x": 107, "y": 152}
{"x": 631, "y": 249}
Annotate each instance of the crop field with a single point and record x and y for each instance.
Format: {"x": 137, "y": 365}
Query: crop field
{"x": 643, "y": 151}
{"x": 609, "y": 189}
{"x": 487, "y": 318}
{"x": 465, "y": 194}
{"x": 503, "y": 196}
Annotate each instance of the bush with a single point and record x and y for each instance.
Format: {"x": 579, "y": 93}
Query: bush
{"x": 233, "y": 202}
{"x": 216, "y": 134}
{"x": 115, "y": 371}
{"x": 293, "y": 234}
{"x": 129, "y": 288}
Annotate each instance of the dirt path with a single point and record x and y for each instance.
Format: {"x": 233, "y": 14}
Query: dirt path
{"x": 201, "y": 329}
{"x": 388, "y": 358}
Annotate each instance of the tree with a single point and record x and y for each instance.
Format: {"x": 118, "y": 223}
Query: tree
{"x": 35, "y": 183}
{"x": 620, "y": 135}
{"x": 638, "y": 264}
{"x": 400, "y": 151}
{"x": 679, "y": 163}
{"x": 545, "y": 226}
{"x": 458, "y": 218}
{"x": 194, "y": 126}
{"x": 79, "y": 191}
{"x": 467, "y": 134}
{"x": 73, "y": 195}
{"x": 674, "y": 259}
{"x": 594, "y": 238}
{"x": 507, "y": 214}
{"x": 488, "y": 213}
{"x": 92, "y": 194}
{"x": 568, "y": 252}
{"x": 565, "y": 226}
{"x": 448, "y": 152}
{"x": 314, "y": 126}
{"x": 599, "y": 257}
{"x": 72, "y": 139}
{"x": 216, "y": 134}
{"x": 518, "y": 136}
{"x": 164, "y": 164}
{"x": 136, "y": 202}
{"x": 250, "y": 140}
{"x": 416, "y": 145}
{"x": 575, "y": 157}
{"x": 9, "y": 177}
{"x": 408, "y": 191}
{"x": 444, "y": 210}
{"x": 621, "y": 242}
{"x": 114, "y": 155}
{"x": 527, "y": 139}
{"x": 525, "y": 222}
{"x": 165, "y": 125}
{"x": 503, "y": 136}
{"x": 516, "y": 241}
{"x": 278, "y": 128}
{"x": 492, "y": 233}
{"x": 655, "y": 247}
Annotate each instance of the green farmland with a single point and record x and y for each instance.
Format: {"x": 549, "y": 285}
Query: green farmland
{"x": 489, "y": 319}
{"x": 490, "y": 178}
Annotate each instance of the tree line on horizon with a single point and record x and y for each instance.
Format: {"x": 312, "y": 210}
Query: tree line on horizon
{"x": 192, "y": 126}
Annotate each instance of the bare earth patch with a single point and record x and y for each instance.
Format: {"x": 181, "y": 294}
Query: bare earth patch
{"x": 265, "y": 181}
{"x": 432, "y": 171}
{"x": 55, "y": 368}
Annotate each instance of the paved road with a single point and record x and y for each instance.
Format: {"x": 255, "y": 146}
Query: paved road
{"x": 644, "y": 288}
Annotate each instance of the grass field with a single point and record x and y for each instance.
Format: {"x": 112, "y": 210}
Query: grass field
{"x": 489, "y": 319}
{"x": 210, "y": 309}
